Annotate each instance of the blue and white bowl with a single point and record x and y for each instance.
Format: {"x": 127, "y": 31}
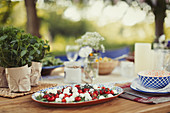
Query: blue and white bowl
{"x": 154, "y": 79}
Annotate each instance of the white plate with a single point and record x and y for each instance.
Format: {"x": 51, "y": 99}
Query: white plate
{"x": 137, "y": 86}
{"x": 57, "y": 104}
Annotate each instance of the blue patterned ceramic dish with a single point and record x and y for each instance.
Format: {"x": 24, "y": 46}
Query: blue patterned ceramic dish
{"x": 154, "y": 79}
{"x": 136, "y": 85}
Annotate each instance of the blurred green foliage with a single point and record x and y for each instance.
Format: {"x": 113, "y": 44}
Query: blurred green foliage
{"x": 60, "y": 31}
{"x": 6, "y": 8}
{"x": 60, "y": 26}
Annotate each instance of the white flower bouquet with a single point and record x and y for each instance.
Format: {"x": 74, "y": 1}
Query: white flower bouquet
{"x": 93, "y": 40}
{"x": 91, "y": 46}
{"x": 85, "y": 51}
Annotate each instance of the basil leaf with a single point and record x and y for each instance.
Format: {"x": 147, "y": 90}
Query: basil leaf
{"x": 23, "y": 53}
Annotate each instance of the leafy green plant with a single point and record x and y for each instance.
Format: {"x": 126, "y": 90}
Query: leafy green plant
{"x": 18, "y": 49}
{"x": 38, "y": 47}
{"x": 51, "y": 61}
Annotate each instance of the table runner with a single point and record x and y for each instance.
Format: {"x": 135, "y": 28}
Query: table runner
{"x": 4, "y": 92}
{"x": 145, "y": 98}
{"x": 150, "y": 99}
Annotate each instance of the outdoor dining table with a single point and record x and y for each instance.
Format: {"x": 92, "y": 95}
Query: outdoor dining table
{"x": 25, "y": 104}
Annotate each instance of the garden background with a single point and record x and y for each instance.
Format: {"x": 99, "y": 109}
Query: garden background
{"x": 121, "y": 22}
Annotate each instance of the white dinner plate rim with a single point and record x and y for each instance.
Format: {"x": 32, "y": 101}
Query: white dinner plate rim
{"x": 140, "y": 90}
{"x": 51, "y": 103}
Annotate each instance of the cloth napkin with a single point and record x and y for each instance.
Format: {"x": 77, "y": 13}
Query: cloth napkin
{"x": 143, "y": 97}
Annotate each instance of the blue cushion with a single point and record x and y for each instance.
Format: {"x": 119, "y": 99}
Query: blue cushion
{"x": 64, "y": 58}
{"x": 116, "y": 53}
{"x": 108, "y": 53}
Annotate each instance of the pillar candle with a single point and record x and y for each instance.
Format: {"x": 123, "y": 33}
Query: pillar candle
{"x": 142, "y": 57}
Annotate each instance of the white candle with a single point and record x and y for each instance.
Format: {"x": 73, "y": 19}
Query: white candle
{"x": 152, "y": 60}
{"x": 72, "y": 75}
{"x": 142, "y": 57}
{"x": 72, "y": 71}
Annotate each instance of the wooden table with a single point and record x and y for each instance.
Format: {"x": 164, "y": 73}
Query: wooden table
{"x": 118, "y": 105}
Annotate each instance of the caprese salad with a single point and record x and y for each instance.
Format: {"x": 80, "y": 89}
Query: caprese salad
{"x": 76, "y": 93}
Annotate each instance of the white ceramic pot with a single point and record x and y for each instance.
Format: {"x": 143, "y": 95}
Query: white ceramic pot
{"x": 3, "y": 81}
{"x": 35, "y": 73}
{"x": 18, "y": 79}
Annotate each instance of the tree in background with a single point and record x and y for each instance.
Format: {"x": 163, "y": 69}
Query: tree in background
{"x": 159, "y": 10}
{"x": 33, "y": 22}
{"x": 6, "y": 7}
{"x": 158, "y": 7}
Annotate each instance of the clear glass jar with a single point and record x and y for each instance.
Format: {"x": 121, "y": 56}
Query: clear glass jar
{"x": 91, "y": 67}
{"x": 72, "y": 72}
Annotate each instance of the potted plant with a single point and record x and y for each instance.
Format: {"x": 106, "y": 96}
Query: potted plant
{"x": 15, "y": 58}
{"x": 3, "y": 81}
{"x": 38, "y": 50}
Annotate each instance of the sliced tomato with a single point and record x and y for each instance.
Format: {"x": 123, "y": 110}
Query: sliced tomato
{"x": 94, "y": 94}
{"x": 56, "y": 96}
{"x": 77, "y": 99}
{"x": 63, "y": 100}
{"x": 80, "y": 91}
{"x": 94, "y": 98}
{"x": 52, "y": 98}
{"x": 112, "y": 92}
{"x": 107, "y": 92}
{"x": 103, "y": 88}
{"x": 78, "y": 86}
{"x": 101, "y": 92}
{"x": 45, "y": 96}
{"x": 70, "y": 94}
{"x": 85, "y": 89}
{"x": 66, "y": 95}
{"x": 63, "y": 89}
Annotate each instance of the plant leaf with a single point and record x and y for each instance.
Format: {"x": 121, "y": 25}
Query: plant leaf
{"x": 32, "y": 52}
{"x": 38, "y": 51}
{"x": 23, "y": 53}
{"x": 3, "y": 37}
{"x": 14, "y": 51}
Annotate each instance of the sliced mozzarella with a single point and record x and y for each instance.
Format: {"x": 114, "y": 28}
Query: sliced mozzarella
{"x": 66, "y": 91}
{"x": 61, "y": 96}
{"x": 74, "y": 89}
{"x": 101, "y": 97}
{"x": 115, "y": 91}
{"x": 110, "y": 95}
{"x": 72, "y": 98}
{"x": 37, "y": 94}
{"x": 75, "y": 94}
{"x": 87, "y": 96}
{"x": 58, "y": 100}
{"x": 68, "y": 99}
{"x": 82, "y": 95}
{"x": 42, "y": 94}
{"x": 91, "y": 90}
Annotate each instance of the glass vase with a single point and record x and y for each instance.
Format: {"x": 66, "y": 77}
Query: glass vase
{"x": 91, "y": 67}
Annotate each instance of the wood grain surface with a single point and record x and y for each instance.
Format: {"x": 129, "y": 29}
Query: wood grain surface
{"x": 119, "y": 105}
